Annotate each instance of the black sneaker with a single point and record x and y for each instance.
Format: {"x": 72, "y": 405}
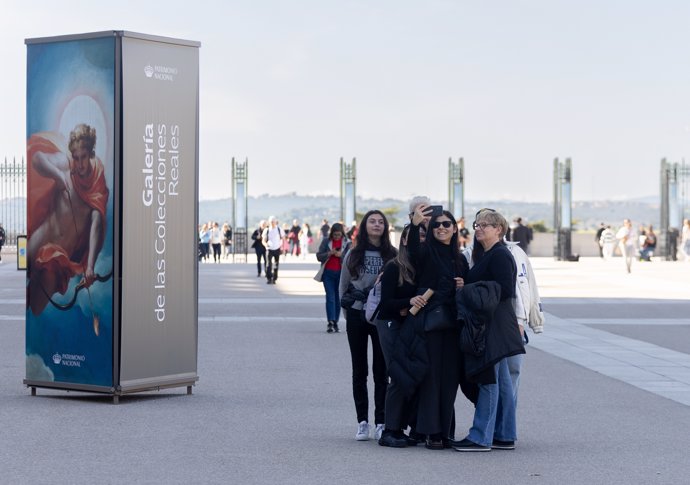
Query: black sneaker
{"x": 414, "y": 438}
{"x": 388, "y": 438}
{"x": 329, "y": 329}
{"x": 503, "y": 445}
{"x": 335, "y": 327}
{"x": 467, "y": 445}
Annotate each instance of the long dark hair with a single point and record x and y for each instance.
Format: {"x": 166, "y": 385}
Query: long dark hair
{"x": 435, "y": 246}
{"x": 361, "y": 243}
{"x": 406, "y": 271}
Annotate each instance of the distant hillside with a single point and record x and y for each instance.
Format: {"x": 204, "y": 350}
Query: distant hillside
{"x": 312, "y": 209}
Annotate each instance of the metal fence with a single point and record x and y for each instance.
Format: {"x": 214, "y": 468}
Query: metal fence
{"x": 13, "y": 199}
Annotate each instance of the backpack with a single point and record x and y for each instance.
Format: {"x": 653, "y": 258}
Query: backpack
{"x": 373, "y": 303}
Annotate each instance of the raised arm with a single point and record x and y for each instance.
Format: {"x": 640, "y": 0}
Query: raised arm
{"x": 54, "y": 166}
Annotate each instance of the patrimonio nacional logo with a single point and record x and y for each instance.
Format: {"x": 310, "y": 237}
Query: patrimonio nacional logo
{"x": 161, "y": 73}
{"x": 56, "y": 358}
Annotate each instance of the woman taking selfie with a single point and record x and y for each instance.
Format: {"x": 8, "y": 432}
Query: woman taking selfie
{"x": 441, "y": 267}
{"x": 330, "y": 255}
{"x": 361, "y": 266}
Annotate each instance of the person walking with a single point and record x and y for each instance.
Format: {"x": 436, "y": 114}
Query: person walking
{"x": 597, "y": 239}
{"x": 522, "y": 235}
{"x": 685, "y": 239}
{"x": 216, "y": 242}
{"x": 2, "y": 240}
{"x": 304, "y": 240}
{"x": 227, "y": 239}
{"x": 439, "y": 266}
{"x": 360, "y": 267}
{"x": 627, "y": 241}
{"x": 607, "y": 242}
{"x": 259, "y": 248}
{"x": 330, "y": 254}
{"x": 325, "y": 229}
{"x": 272, "y": 238}
{"x": 205, "y": 241}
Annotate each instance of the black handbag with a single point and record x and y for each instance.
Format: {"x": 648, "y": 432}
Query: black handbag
{"x": 352, "y": 295}
{"x": 438, "y": 318}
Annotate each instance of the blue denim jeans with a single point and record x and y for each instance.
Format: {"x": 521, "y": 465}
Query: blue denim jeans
{"x": 514, "y": 367}
{"x": 331, "y": 280}
{"x": 494, "y": 417}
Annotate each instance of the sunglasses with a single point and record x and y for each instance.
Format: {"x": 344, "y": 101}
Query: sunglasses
{"x": 437, "y": 224}
{"x": 481, "y": 226}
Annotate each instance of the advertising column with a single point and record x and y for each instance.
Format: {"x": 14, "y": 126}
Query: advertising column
{"x": 158, "y": 338}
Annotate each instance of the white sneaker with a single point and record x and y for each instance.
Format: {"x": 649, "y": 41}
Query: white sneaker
{"x": 362, "y": 431}
{"x": 379, "y": 431}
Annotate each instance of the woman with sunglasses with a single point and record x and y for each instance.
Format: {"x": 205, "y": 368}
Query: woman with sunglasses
{"x": 360, "y": 267}
{"x": 494, "y": 425}
{"x": 441, "y": 267}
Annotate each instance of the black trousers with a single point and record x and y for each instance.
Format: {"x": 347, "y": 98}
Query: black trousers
{"x": 440, "y": 387}
{"x": 358, "y": 333}
{"x": 216, "y": 251}
{"x": 260, "y": 254}
{"x": 273, "y": 264}
{"x": 397, "y": 406}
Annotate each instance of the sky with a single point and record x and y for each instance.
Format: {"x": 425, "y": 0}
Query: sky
{"x": 402, "y": 86}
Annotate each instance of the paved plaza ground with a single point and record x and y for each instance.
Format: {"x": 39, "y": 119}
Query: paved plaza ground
{"x": 604, "y": 396}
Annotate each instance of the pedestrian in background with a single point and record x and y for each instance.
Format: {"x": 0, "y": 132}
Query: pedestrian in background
{"x": 607, "y": 241}
{"x": 597, "y": 239}
{"x": 305, "y": 240}
{"x": 2, "y": 240}
{"x": 205, "y": 241}
{"x": 259, "y": 247}
{"x": 330, "y": 256}
{"x": 273, "y": 239}
{"x": 627, "y": 241}
{"x": 216, "y": 242}
{"x": 227, "y": 239}
{"x": 522, "y": 235}
{"x": 685, "y": 239}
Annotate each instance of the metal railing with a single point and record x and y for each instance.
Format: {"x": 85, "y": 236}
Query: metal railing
{"x": 13, "y": 199}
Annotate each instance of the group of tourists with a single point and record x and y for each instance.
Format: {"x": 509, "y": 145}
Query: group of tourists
{"x": 270, "y": 241}
{"x": 216, "y": 239}
{"x": 452, "y": 315}
{"x": 641, "y": 243}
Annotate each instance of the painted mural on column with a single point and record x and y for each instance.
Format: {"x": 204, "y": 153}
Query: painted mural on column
{"x": 70, "y": 152}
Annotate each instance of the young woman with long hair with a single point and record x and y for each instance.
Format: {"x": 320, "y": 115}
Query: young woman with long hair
{"x": 361, "y": 265}
{"x": 398, "y": 294}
